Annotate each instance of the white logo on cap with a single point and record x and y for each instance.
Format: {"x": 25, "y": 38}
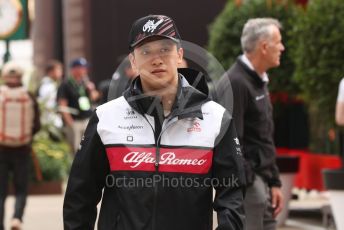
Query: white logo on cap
{"x": 150, "y": 26}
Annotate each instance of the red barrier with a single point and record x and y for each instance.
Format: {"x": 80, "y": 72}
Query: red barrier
{"x": 311, "y": 166}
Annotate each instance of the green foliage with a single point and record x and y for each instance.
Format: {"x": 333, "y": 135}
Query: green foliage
{"x": 226, "y": 30}
{"x": 54, "y": 157}
{"x": 318, "y": 52}
{"x": 52, "y": 151}
{"x": 311, "y": 64}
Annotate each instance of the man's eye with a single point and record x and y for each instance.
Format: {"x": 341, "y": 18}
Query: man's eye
{"x": 144, "y": 52}
{"x": 164, "y": 50}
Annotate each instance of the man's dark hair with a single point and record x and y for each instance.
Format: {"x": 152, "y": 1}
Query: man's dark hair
{"x": 51, "y": 65}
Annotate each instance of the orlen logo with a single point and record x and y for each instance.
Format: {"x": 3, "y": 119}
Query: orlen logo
{"x": 196, "y": 127}
{"x": 130, "y": 114}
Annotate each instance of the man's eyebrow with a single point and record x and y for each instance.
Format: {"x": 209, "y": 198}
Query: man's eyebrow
{"x": 167, "y": 42}
{"x": 144, "y": 46}
{"x": 162, "y": 42}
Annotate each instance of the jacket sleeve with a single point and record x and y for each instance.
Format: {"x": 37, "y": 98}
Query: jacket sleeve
{"x": 86, "y": 181}
{"x": 229, "y": 172}
{"x": 233, "y": 95}
{"x": 274, "y": 181}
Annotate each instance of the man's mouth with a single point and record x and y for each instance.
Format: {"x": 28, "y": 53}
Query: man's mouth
{"x": 158, "y": 71}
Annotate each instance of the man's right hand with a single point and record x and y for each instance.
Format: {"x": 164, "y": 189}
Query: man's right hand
{"x": 277, "y": 200}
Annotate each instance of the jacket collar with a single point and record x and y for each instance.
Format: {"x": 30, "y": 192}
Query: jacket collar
{"x": 187, "y": 104}
{"x": 253, "y": 74}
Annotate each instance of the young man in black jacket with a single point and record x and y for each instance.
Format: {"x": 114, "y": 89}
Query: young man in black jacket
{"x": 157, "y": 151}
{"x": 252, "y": 112}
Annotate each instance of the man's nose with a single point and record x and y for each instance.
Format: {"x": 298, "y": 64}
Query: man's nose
{"x": 156, "y": 59}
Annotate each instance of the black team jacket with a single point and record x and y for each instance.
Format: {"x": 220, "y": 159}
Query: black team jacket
{"x": 157, "y": 172}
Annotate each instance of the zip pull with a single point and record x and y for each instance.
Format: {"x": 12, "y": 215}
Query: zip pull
{"x": 157, "y": 155}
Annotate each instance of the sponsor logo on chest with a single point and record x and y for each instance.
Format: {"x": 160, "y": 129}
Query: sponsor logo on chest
{"x": 130, "y": 114}
{"x": 130, "y": 127}
{"x": 196, "y": 127}
{"x": 186, "y": 160}
{"x": 260, "y": 97}
{"x": 168, "y": 158}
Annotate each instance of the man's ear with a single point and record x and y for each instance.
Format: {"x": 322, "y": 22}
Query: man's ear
{"x": 180, "y": 55}
{"x": 132, "y": 61}
{"x": 264, "y": 46}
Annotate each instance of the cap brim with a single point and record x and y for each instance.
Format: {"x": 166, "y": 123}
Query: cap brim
{"x": 79, "y": 65}
{"x": 132, "y": 46}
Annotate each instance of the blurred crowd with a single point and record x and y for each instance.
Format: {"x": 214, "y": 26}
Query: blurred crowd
{"x": 60, "y": 103}
{"x": 66, "y": 100}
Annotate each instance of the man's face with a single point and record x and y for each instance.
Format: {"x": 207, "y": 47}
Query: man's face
{"x": 56, "y": 73}
{"x": 12, "y": 81}
{"x": 78, "y": 72}
{"x": 274, "y": 48}
{"x": 156, "y": 62}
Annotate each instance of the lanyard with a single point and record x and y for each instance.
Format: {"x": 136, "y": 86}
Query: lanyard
{"x": 80, "y": 88}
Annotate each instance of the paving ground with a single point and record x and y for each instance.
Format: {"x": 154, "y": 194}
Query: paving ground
{"x": 45, "y": 213}
{"x": 42, "y": 212}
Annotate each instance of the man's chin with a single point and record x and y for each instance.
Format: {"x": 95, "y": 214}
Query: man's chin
{"x": 278, "y": 63}
{"x": 161, "y": 85}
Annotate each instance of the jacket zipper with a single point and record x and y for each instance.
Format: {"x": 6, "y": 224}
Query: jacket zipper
{"x": 156, "y": 164}
{"x": 157, "y": 160}
{"x": 156, "y": 187}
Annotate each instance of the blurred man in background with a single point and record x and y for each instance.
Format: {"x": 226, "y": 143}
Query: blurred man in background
{"x": 74, "y": 98}
{"x": 47, "y": 93}
{"x": 113, "y": 88}
{"x": 339, "y": 116}
{"x": 19, "y": 121}
{"x": 261, "y": 43}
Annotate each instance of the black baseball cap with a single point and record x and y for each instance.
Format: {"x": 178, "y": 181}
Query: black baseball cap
{"x": 152, "y": 25}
